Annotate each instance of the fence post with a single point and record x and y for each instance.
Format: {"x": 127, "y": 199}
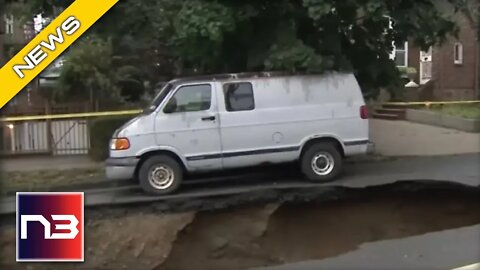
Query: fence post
{"x": 48, "y": 111}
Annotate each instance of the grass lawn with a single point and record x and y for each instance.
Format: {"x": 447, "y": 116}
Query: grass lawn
{"x": 463, "y": 111}
{"x": 46, "y": 180}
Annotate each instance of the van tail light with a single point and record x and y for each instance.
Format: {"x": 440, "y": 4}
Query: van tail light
{"x": 363, "y": 112}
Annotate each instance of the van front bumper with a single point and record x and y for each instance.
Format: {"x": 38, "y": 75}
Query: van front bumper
{"x": 120, "y": 168}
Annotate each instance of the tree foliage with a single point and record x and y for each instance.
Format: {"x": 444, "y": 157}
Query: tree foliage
{"x": 2, "y": 5}
{"x": 471, "y": 9}
{"x": 88, "y": 72}
{"x": 171, "y": 38}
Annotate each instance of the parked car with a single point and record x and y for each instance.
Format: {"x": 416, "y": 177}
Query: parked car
{"x": 238, "y": 120}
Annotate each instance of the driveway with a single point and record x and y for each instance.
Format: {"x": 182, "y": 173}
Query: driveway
{"x": 403, "y": 138}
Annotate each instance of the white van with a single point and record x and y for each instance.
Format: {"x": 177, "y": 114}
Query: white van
{"x": 238, "y": 120}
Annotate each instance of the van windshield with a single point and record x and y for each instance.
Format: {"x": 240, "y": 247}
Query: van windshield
{"x": 163, "y": 91}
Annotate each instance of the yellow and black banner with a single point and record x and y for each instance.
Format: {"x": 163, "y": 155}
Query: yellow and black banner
{"x": 50, "y": 43}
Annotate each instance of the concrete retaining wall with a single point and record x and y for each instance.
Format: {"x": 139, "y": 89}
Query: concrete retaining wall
{"x": 442, "y": 120}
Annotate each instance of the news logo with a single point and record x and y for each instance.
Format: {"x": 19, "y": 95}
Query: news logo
{"x": 50, "y": 227}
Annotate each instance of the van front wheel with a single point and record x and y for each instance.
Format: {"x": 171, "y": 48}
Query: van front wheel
{"x": 321, "y": 162}
{"x": 160, "y": 175}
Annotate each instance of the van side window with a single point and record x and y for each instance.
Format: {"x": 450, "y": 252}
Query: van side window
{"x": 239, "y": 96}
{"x": 190, "y": 98}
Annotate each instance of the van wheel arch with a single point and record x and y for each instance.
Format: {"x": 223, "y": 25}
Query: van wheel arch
{"x": 330, "y": 140}
{"x": 147, "y": 155}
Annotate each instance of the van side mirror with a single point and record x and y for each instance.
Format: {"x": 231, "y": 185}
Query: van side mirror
{"x": 171, "y": 106}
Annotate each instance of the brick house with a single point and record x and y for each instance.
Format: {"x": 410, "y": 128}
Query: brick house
{"x": 2, "y": 48}
{"x": 2, "y": 42}
{"x": 449, "y": 71}
{"x": 14, "y": 35}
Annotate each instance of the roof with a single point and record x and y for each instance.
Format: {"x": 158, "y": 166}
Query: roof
{"x": 234, "y": 76}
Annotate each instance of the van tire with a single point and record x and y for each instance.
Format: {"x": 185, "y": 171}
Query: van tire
{"x": 326, "y": 155}
{"x": 160, "y": 175}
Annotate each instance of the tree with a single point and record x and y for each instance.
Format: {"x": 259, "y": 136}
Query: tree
{"x": 210, "y": 36}
{"x": 471, "y": 10}
{"x": 310, "y": 35}
{"x": 3, "y": 4}
{"x": 130, "y": 81}
{"x": 88, "y": 72}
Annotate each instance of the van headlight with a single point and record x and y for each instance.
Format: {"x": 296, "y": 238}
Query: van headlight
{"x": 119, "y": 144}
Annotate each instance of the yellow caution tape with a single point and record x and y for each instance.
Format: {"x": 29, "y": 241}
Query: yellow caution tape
{"x": 42, "y": 50}
{"x": 431, "y": 103}
{"x": 68, "y": 116}
{"x": 137, "y": 111}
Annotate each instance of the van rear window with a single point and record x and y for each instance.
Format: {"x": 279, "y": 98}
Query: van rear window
{"x": 239, "y": 96}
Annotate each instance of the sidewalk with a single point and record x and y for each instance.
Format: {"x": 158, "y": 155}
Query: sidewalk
{"x": 47, "y": 163}
{"x": 392, "y": 138}
{"x": 403, "y": 138}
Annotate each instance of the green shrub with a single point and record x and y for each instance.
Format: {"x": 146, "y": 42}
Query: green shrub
{"x": 407, "y": 72}
{"x": 101, "y": 131}
{"x": 469, "y": 111}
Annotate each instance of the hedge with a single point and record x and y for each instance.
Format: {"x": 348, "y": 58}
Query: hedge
{"x": 101, "y": 131}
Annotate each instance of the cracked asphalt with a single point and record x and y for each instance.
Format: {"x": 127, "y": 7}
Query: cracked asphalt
{"x": 460, "y": 169}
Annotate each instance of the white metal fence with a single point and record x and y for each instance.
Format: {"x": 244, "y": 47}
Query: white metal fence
{"x": 57, "y": 134}
{"x": 57, "y": 137}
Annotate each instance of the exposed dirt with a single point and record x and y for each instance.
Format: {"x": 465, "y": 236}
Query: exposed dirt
{"x": 133, "y": 241}
{"x": 297, "y": 232}
{"x": 261, "y": 235}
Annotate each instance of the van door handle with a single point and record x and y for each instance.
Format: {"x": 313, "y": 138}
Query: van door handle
{"x": 208, "y": 118}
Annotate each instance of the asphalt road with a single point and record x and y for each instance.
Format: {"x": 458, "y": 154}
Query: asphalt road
{"x": 460, "y": 169}
{"x": 439, "y": 250}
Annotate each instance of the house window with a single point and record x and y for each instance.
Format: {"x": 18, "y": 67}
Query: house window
{"x": 239, "y": 97}
{"x": 400, "y": 52}
{"x": 28, "y": 31}
{"x": 8, "y": 24}
{"x": 458, "y": 53}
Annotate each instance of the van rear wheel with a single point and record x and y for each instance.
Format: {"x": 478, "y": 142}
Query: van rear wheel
{"x": 160, "y": 175}
{"x": 321, "y": 162}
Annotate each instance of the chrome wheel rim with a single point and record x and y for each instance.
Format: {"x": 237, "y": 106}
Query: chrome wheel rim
{"x": 161, "y": 176}
{"x": 322, "y": 163}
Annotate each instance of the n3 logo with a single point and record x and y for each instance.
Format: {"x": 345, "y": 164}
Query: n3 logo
{"x": 71, "y": 226}
{"x": 50, "y": 227}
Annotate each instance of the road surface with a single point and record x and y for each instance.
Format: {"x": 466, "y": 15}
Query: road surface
{"x": 439, "y": 250}
{"x": 458, "y": 169}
